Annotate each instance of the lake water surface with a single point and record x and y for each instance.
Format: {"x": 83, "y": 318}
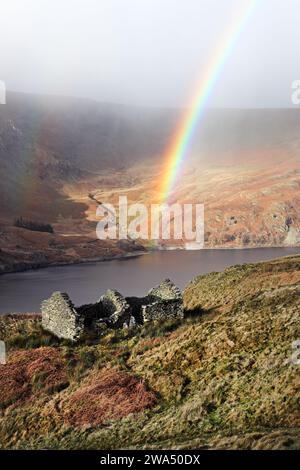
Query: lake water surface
{"x": 23, "y": 292}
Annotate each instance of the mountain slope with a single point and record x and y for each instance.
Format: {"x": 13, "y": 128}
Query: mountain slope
{"x": 58, "y": 156}
{"x": 221, "y": 378}
{"x": 46, "y": 142}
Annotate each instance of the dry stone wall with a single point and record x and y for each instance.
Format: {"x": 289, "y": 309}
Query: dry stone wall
{"x": 60, "y": 317}
{"x": 161, "y": 310}
{"x": 116, "y": 308}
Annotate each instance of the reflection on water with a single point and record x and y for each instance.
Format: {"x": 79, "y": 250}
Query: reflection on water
{"x": 23, "y": 292}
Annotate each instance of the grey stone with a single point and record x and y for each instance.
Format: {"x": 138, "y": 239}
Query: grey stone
{"x": 111, "y": 311}
{"x": 166, "y": 290}
{"x": 60, "y": 317}
{"x": 91, "y": 314}
{"x": 165, "y": 301}
{"x": 162, "y": 310}
{"x": 115, "y": 307}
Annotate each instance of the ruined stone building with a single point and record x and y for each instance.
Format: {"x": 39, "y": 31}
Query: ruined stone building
{"x": 63, "y": 319}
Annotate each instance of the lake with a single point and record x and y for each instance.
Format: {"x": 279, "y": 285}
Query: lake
{"x": 23, "y": 292}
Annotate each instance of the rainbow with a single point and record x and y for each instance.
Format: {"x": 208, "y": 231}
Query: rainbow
{"x": 177, "y": 150}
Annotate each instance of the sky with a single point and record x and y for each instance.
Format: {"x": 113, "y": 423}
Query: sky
{"x": 148, "y": 52}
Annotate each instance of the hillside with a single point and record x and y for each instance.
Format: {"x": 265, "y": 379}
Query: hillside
{"x": 56, "y": 152}
{"x": 220, "y": 378}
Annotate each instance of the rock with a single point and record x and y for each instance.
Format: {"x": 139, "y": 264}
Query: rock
{"x": 60, "y": 317}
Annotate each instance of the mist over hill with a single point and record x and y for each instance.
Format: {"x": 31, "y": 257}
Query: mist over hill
{"x": 90, "y": 136}
{"x": 55, "y": 152}
{"x": 85, "y": 133}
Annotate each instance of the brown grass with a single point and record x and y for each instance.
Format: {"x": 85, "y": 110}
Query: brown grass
{"x": 107, "y": 395}
{"x": 28, "y": 373}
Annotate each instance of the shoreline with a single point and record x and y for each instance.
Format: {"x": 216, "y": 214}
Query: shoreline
{"x": 75, "y": 262}
{"x": 34, "y": 311}
{"x": 129, "y": 255}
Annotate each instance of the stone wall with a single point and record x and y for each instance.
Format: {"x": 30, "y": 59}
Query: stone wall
{"x": 164, "y": 301}
{"x": 116, "y": 308}
{"x": 60, "y": 317}
{"x": 166, "y": 290}
{"x": 91, "y": 313}
{"x": 162, "y": 310}
{"x": 136, "y": 304}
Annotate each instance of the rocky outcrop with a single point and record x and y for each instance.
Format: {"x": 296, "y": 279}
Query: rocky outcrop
{"x": 60, "y": 317}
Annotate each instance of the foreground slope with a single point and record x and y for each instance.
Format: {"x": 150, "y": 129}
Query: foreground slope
{"x": 221, "y": 378}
